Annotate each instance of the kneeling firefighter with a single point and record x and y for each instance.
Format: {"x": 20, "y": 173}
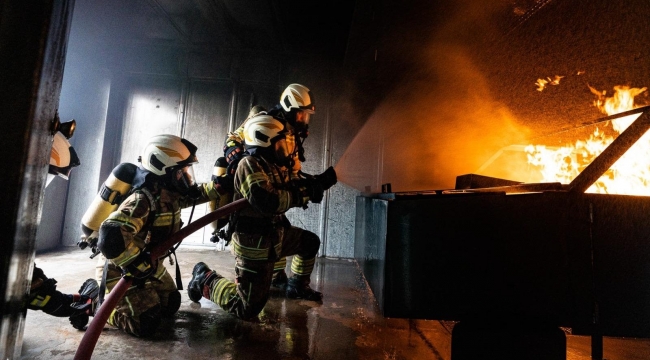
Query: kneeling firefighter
{"x": 261, "y": 233}
{"x": 163, "y": 184}
{"x": 43, "y": 294}
{"x": 296, "y": 106}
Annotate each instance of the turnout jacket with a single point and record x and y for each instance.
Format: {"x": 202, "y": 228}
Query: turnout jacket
{"x": 147, "y": 217}
{"x": 267, "y": 187}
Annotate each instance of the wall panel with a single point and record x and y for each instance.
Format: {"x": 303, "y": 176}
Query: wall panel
{"x": 152, "y": 109}
{"x": 206, "y": 126}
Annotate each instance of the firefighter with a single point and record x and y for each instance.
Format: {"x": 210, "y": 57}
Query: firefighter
{"x": 261, "y": 233}
{"x": 43, "y": 294}
{"x": 223, "y": 176}
{"x": 163, "y": 184}
{"x": 296, "y": 106}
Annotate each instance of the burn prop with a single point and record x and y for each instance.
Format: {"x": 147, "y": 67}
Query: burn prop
{"x": 512, "y": 261}
{"x": 96, "y": 326}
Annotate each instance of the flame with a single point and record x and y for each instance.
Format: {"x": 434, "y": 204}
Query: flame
{"x": 629, "y": 175}
{"x": 541, "y": 83}
{"x": 556, "y": 80}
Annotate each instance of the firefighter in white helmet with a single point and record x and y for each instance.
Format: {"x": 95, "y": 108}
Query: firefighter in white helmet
{"x": 295, "y": 108}
{"x": 43, "y": 294}
{"x": 163, "y": 184}
{"x": 261, "y": 233}
{"x": 223, "y": 175}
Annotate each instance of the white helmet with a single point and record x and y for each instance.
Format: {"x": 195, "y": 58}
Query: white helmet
{"x": 262, "y": 131}
{"x": 164, "y": 152}
{"x": 297, "y": 96}
{"x": 62, "y": 158}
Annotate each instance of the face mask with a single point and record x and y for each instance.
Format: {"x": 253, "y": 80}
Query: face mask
{"x": 302, "y": 119}
{"x": 183, "y": 179}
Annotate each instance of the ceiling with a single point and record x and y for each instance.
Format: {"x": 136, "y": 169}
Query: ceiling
{"x": 288, "y": 26}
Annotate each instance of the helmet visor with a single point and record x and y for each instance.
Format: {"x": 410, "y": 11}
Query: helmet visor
{"x": 302, "y": 117}
{"x": 183, "y": 179}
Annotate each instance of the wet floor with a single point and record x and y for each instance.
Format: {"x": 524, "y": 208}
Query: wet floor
{"x": 347, "y": 325}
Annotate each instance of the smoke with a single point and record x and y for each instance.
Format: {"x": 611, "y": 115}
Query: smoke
{"x": 440, "y": 121}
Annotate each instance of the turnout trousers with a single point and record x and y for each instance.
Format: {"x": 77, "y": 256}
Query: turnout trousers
{"x": 138, "y": 312}
{"x": 256, "y": 256}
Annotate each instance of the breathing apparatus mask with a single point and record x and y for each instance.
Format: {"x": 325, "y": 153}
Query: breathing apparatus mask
{"x": 182, "y": 179}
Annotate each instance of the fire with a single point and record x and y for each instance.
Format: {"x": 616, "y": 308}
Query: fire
{"x": 556, "y": 80}
{"x": 629, "y": 175}
{"x": 541, "y": 83}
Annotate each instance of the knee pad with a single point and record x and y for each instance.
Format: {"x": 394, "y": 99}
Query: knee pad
{"x": 173, "y": 304}
{"x": 149, "y": 321}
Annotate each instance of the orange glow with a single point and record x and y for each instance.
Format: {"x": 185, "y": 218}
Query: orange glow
{"x": 629, "y": 175}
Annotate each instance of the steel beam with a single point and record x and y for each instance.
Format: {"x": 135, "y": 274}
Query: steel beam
{"x": 614, "y": 151}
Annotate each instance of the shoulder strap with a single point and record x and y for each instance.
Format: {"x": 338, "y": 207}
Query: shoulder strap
{"x": 152, "y": 204}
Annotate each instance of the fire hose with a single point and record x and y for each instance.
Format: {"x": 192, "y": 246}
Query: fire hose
{"x": 89, "y": 340}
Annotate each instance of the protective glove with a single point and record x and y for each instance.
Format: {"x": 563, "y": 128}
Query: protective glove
{"x": 227, "y": 183}
{"x": 233, "y": 152}
{"x": 141, "y": 268}
{"x": 327, "y": 179}
{"x": 315, "y": 191}
{"x": 232, "y": 168}
{"x": 194, "y": 192}
{"x": 306, "y": 190}
{"x": 89, "y": 241}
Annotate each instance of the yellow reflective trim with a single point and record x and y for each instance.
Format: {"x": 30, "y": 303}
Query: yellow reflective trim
{"x": 281, "y": 264}
{"x": 125, "y": 220}
{"x": 222, "y": 292}
{"x": 302, "y": 266}
{"x": 126, "y": 298}
{"x": 252, "y": 179}
{"x": 40, "y": 301}
{"x": 111, "y": 318}
{"x": 166, "y": 219}
{"x": 244, "y": 269}
{"x": 250, "y": 253}
{"x": 160, "y": 273}
{"x": 127, "y": 256}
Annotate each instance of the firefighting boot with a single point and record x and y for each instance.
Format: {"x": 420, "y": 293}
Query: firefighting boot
{"x": 279, "y": 279}
{"x": 86, "y": 304}
{"x": 202, "y": 278}
{"x": 298, "y": 288}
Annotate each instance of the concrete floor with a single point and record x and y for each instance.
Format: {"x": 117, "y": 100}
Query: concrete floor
{"x": 347, "y": 325}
